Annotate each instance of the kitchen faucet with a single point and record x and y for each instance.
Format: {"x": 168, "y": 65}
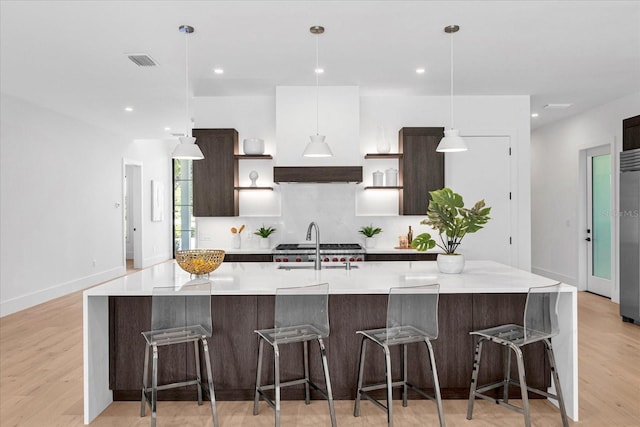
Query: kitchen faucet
{"x": 317, "y": 263}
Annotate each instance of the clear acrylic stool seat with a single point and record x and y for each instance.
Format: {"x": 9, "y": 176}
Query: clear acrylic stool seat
{"x": 412, "y": 317}
{"x": 540, "y": 324}
{"x": 179, "y": 314}
{"x": 301, "y": 315}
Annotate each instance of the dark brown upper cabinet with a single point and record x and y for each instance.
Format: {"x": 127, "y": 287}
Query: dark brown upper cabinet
{"x": 216, "y": 176}
{"x": 421, "y": 168}
{"x": 631, "y": 133}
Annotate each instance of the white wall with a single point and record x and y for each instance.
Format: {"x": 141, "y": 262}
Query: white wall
{"x": 340, "y": 209}
{"x": 557, "y": 236}
{"x": 60, "y": 182}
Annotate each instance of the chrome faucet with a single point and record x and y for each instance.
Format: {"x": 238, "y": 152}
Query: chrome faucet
{"x": 317, "y": 264}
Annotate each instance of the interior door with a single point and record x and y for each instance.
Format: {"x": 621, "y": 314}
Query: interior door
{"x": 598, "y": 236}
{"x": 467, "y": 174}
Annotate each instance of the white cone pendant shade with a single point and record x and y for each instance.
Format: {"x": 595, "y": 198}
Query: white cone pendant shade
{"x": 452, "y": 142}
{"x": 317, "y": 147}
{"x": 187, "y": 149}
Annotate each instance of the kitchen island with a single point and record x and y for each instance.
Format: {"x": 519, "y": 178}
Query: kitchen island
{"x": 486, "y": 293}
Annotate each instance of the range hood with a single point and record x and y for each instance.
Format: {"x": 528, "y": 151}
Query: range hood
{"x": 317, "y": 174}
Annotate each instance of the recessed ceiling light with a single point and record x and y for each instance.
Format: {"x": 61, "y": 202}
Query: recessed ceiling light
{"x": 557, "y": 106}
{"x": 534, "y": 115}
{"x": 420, "y": 70}
{"x": 128, "y": 109}
{"x": 167, "y": 128}
{"x": 319, "y": 70}
{"x": 218, "y": 70}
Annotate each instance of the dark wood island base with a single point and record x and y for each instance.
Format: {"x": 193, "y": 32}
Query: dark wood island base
{"x": 234, "y": 347}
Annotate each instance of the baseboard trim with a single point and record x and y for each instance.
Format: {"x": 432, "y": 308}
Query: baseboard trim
{"x": 148, "y": 262}
{"x": 555, "y": 276}
{"x": 38, "y": 297}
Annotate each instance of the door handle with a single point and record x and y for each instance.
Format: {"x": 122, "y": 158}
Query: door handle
{"x": 588, "y": 239}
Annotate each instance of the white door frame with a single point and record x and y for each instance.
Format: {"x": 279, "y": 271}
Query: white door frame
{"x": 583, "y": 247}
{"x": 135, "y": 203}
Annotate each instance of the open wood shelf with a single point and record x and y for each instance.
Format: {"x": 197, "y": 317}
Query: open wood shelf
{"x": 378, "y": 187}
{"x": 253, "y": 156}
{"x": 253, "y": 188}
{"x": 383, "y": 155}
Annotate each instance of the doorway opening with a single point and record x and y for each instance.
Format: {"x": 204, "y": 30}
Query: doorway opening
{"x": 132, "y": 214}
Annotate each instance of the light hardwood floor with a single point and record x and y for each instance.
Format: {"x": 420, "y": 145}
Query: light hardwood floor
{"x": 41, "y": 381}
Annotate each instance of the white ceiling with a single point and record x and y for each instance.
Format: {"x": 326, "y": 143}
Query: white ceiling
{"x": 69, "y": 56}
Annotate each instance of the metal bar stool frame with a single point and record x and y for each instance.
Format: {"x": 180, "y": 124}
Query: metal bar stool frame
{"x": 412, "y": 317}
{"x": 540, "y": 324}
{"x": 179, "y": 315}
{"x": 301, "y": 315}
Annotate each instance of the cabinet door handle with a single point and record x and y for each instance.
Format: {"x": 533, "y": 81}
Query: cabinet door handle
{"x": 588, "y": 239}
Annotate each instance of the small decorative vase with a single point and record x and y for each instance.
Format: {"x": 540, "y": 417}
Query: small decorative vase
{"x": 370, "y": 242}
{"x": 236, "y": 241}
{"x": 253, "y": 176}
{"x": 450, "y": 264}
{"x": 265, "y": 243}
{"x": 382, "y": 145}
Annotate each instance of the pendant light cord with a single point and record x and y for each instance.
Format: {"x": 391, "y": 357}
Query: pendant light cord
{"x": 186, "y": 82}
{"x": 317, "y": 88}
{"x": 452, "y": 80}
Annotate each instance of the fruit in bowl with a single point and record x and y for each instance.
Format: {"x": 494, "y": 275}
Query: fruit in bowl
{"x": 199, "y": 261}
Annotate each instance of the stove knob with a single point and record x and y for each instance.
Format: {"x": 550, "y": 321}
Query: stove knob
{"x": 298, "y": 259}
{"x": 335, "y": 260}
{"x": 342, "y": 259}
{"x": 326, "y": 260}
{"x": 359, "y": 259}
{"x": 277, "y": 259}
{"x": 285, "y": 259}
{"x": 352, "y": 259}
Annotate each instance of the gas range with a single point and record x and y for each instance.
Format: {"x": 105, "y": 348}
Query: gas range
{"x": 329, "y": 252}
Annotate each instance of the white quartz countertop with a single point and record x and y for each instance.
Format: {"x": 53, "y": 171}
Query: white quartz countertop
{"x": 262, "y": 278}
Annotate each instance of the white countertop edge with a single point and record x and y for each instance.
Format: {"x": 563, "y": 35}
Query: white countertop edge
{"x": 263, "y": 278}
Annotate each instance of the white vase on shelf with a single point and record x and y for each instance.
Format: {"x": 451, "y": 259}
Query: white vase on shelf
{"x": 382, "y": 144}
{"x": 370, "y": 242}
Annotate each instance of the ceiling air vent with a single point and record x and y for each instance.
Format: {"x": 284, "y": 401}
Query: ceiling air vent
{"x": 557, "y": 106}
{"x": 142, "y": 60}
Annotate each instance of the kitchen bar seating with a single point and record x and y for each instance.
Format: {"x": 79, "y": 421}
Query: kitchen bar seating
{"x": 540, "y": 324}
{"x": 412, "y": 317}
{"x": 301, "y": 315}
{"x": 179, "y": 315}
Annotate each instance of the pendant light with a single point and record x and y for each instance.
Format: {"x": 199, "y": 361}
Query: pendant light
{"x": 317, "y": 147}
{"x": 187, "y": 148}
{"x": 452, "y": 142}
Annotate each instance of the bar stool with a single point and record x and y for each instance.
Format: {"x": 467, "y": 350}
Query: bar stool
{"x": 412, "y": 317}
{"x": 301, "y": 315}
{"x": 180, "y": 314}
{"x": 540, "y": 324}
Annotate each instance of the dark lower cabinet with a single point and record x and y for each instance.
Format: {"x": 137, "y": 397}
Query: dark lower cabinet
{"x": 421, "y": 168}
{"x": 409, "y": 256}
{"x": 248, "y": 257}
{"x": 216, "y": 176}
{"x": 234, "y": 346}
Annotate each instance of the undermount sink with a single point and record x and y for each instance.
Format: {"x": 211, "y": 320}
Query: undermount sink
{"x": 310, "y": 267}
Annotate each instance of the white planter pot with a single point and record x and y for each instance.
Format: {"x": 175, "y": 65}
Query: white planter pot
{"x": 450, "y": 264}
{"x": 265, "y": 243}
{"x": 370, "y": 242}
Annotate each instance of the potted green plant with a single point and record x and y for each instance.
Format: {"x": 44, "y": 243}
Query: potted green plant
{"x": 446, "y": 214}
{"x": 265, "y": 232}
{"x": 369, "y": 231}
